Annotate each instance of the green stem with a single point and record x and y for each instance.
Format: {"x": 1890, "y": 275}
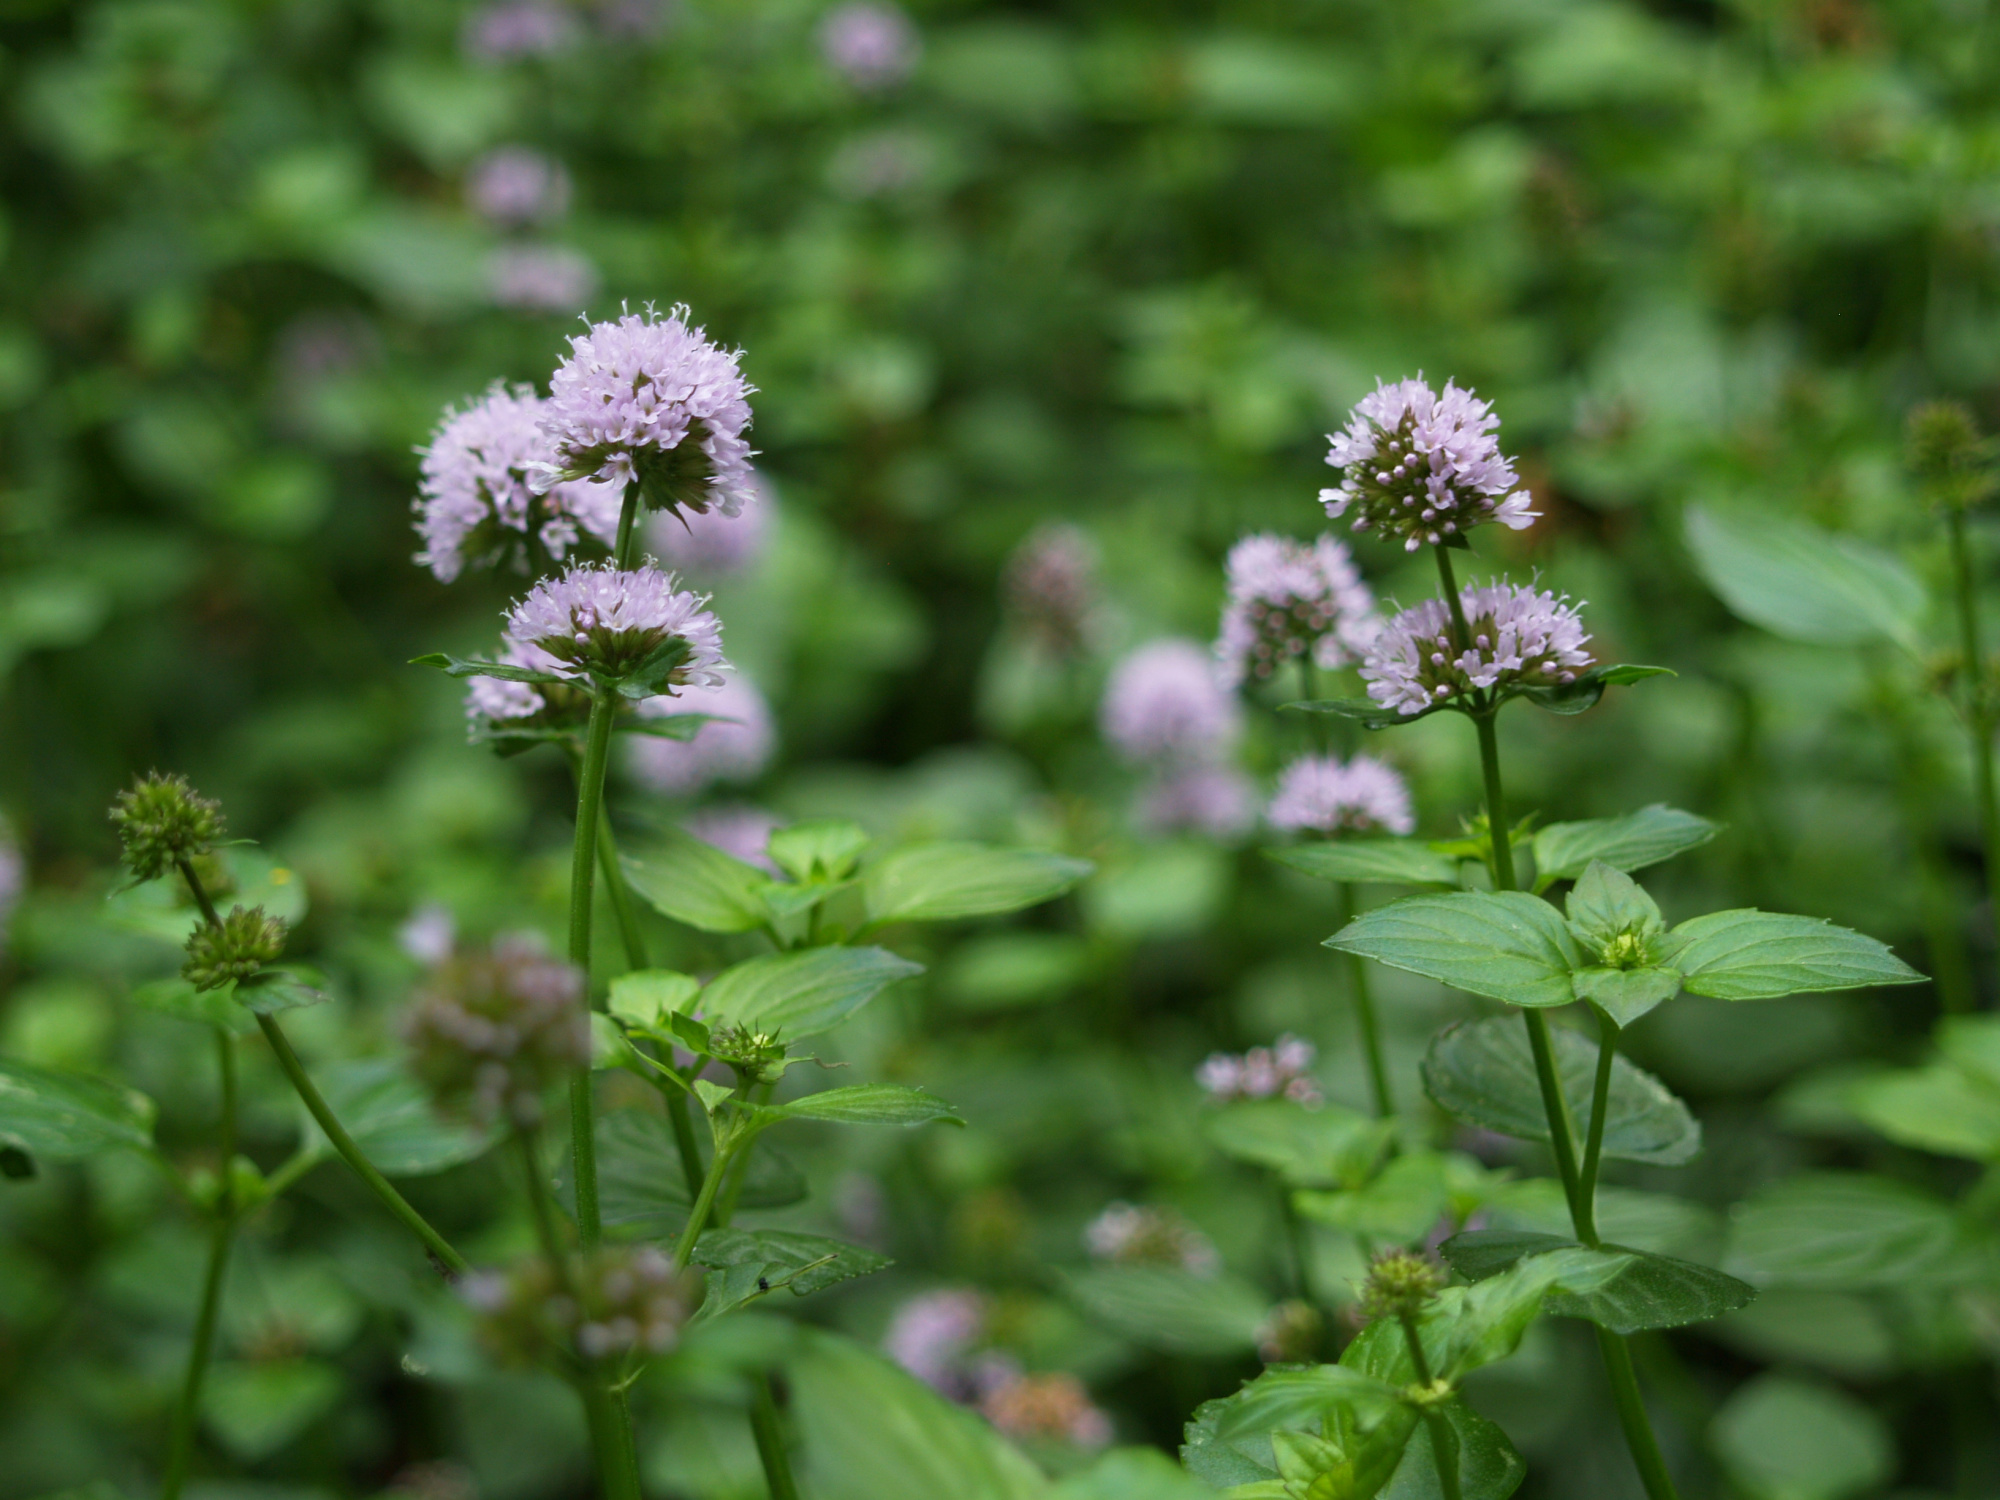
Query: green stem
{"x": 583, "y": 869}
{"x": 180, "y": 1444}
{"x": 1461, "y": 635}
{"x": 1444, "y": 1442}
{"x": 1593, "y": 1146}
{"x": 447, "y": 1258}
{"x": 769, "y": 1432}
{"x": 629, "y": 936}
{"x": 1364, "y": 1014}
{"x": 1632, "y": 1417}
{"x": 703, "y": 1202}
{"x": 1498, "y": 834}
{"x": 628, "y": 535}
{"x": 1978, "y": 710}
{"x": 546, "y": 1232}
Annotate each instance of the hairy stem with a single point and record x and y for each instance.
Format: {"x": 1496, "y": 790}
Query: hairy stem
{"x": 767, "y": 1428}
{"x": 222, "y": 1235}
{"x": 1444, "y": 1442}
{"x": 583, "y": 869}
{"x": 1593, "y": 1146}
{"x": 1365, "y": 1017}
{"x": 1978, "y": 708}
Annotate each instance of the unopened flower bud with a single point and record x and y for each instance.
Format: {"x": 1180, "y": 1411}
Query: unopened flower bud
{"x": 1945, "y": 450}
{"x": 490, "y": 1032}
{"x": 161, "y": 822}
{"x": 243, "y": 943}
{"x": 1399, "y": 1283}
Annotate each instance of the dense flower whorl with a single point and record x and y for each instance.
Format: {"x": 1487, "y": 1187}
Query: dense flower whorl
{"x": 233, "y": 949}
{"x": 475, "y": 504}
{"x": 517, "y": 185}
{"x": 1520, "y": 637}
{"x": 610, "y": 619}
{"x": 1423, "y": 466}
{"x": 1164, "y": 703}
{"x": 735, "y": 746}
{"x": 1051, "y": 586}
{"x": 1281, "y": 1069}
{"x": 1130, "y": 1234}
{"x": 711, "y": 543}
{"x": 490, "y": 1032}
{"x": 1323, "y": 794}
{"x": 1041, "y": 1406}
{"x": 163, "y": 821}
{"x": 1290, "y": 601}
{"x": 629, "y": 1301}
{"x": 651, "y": 399}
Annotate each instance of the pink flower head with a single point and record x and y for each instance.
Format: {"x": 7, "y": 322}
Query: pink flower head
{"x": 1520, "y": 637}
{"x": 1215, "y": 800}
{"x": 518, "y": 185}
{"x": 1422, "y": 466}
{"x": 712, "y": 542}
{"x": 609, "y": 620}
{"x": 735, "y": 746}
{"x": 475, "y": 504}
{"x": 651, "y": 400}
{"x": 871, "y": 45}
{"x": 540, "y": 278}
{"x": 1164, "y": 703}
{"x": 1280, "y": 1070}
{"x": 1290, "y": 601}
{"x": 1321, "y": 794}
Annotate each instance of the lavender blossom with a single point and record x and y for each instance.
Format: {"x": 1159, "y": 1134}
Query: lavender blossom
{"x": 1218, "y": 801}
{"x": 430, "y": 934}
{"x": 1128, "y": 1234}
{"x": 1047, "y": 1406}
{"x": 738, "y": 830}
{"x": 651, "y": 400}
{"x": 518, "y": 185}
{"x": 517, "y": 28}
{"x": 609, "y": 620}
{"x": 931, "y": 1335}
{"x": 712, "y": 543}
{"x": 492, "y": 1031}
{"x": 1051, "y": 586}
{"x": 540, "y": 278}
{"x": 1422, "y": 466}
{"x": 871, "y": 45}
{"x": 1520, "y": 637}
{"x": 1164, "y": 703}
{"x": 1320, "y": 794}
{"x": 736, "y": 746}
{"x": 1280, "y": 1070}
{"x": 474, "y": 502}
{"x": 1292, "y": 601}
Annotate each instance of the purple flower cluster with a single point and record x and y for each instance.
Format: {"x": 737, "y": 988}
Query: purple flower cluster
{"x": 1051, "y": 586}
{"x": 1129, "y": 1234}
{"x": 1164, "y": 703}
{"x": 610, "y": 619}
{"x": 475, "y": 502}
{"x": 518, "y": 185}
{"x": 1280, "y": 1070}
{"x": 932, "y": 1334}
{"x": 1292, "y": 601}
{"x": 736, "y": 746}
{"x": 651, "y": 400}
{"x": 490, "y": 1032}
{"x": 1519, "y": 636}
{"x": 518, "y": 28}
{"x": 628, "y": 1301}
{"x": 871, "y": 45}
{"x": 1042, "y": 1406}
{"x": 1323, "y": 794}
{"x": 540, "y": 278}
{"x": 1423, "y": 466}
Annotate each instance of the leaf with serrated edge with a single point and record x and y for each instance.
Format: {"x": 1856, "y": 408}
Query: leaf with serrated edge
{"x": 1364, "y": 861}
{"x": 644, "y": 996}
{"x": 870, "y": 1104}
{"x": 801, "y": 994}
{"x": 1502, "y": 944}
{"x": 1626, "y": 994}
{"x": 1564, "y": 850}
{"x": 65, "y": 1116}
{"x": 1756, "y": 955}
{"x": 1643, "y": 1291}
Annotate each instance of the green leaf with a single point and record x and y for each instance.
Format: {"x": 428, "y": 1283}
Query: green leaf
{"x": 1626, "y": 994}
{"x": 176, "y": 997}
{"x": 281, "y": 987}
{"x": 1363, "y": 711}
{"x": 1805, "y": 584}
{"x": 1503, "y": 944}
{"x": 645, "y": 997}
{"x": 392, "y": 1120}
{"x": 948, "y": 882}
{"x": 1972, "y": 1043}
{"x": 1403, "y": 1201}
{"x": 1165, "y": 1307}
{"x": 1323, "y": 1422}
{"x": 1781, "y": 1438}
{"x": 870, "y": 1104}
{"x": 1483, "y": 1072}
{"x": 640, "y": 1183}
{"x": 1840, "y": 1231}
{"x": 869, "y": 1431}
{"x": 163, "y": 909}
{"x": 1467, "y": 1327}
{"x": 67, "y": 1116}
{"x": 800, "y": 994}
{"x": 1605, "y": 904}
{"x": 1642, "y": 1291}
{"x": 820, "y": 851}
{"x": 1305, "y": 1147}
{"x": 696, "y": 883}
{"x": 459, "y": 666}
{"x": 654, "y": 675}
{"x": 681, "y": 727}
{"x": 1582, "y": 694}
{"x": 1755, "y": 955}
{"x": 1632, "y": 842}
{"x": 1939, "y": 1108}
{"x": 1488, "y": 1466}
{"x": 1382, "y": 861}
{"x": 1130, "y": 1474}
{"x": 761, "y": 1261}
{"x": 256, "y": 1409}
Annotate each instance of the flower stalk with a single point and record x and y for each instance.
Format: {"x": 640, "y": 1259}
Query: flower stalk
{"x": 1978, "y": 702}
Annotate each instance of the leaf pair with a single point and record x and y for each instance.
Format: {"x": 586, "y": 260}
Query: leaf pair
{"x": 1558, "y": 698}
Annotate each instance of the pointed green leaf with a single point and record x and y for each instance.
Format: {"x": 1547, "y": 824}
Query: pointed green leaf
{"x": 681, "y": 727}
{"x": 391, "y": 1118}
{"x": 1364, "y": 711}
{"x": 1503, "y": 944}
{"x": 644, "y": 997}
{"x": 948, "y": 882}
{"x": 1563, "y": 851}
{"x": 642, "y": 1187}
{"x": 822, "y": 851}
{"x": 1844, "y": 1231}
{"x": 803, "y": 993}
{"x": 1939, "y": 1108}
{"x": 771, "y": 1260}
{"x": 1755, "y": 955}
{"x": 870, "y": 1104}
{"x": 1488, "y": 1466}
{"x": 458, "y": 666}
{"x": 1582, "y": 694}
{"x": 696, "y": 883}
{"x": 1383, "y": 861}
{"x": 281, "y": 987}
{"x": 65, "y": 1116}
{"x": 1606, "y": 903}
{"x": 1483, "y": 1072}
{"x": 1626, "y": 994}
{"x": 177, "y": 997}
{"x": 1320, "y": 1147}
{"x": 1805, "y": 584}
{"x": 1165, "y": 1307}
{"x": 1643, "y": 1291}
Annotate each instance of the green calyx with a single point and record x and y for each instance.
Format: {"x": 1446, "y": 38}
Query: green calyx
{"x": 1399, "y": 1284}
{"x": 756, "y": 1056}
{"x": 162, "y": 822}
{"x": 1948, "y": 455}
{"x": 234, "y": 949}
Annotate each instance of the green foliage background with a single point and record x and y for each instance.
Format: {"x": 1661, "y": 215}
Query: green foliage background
{"x": 1121, "y": 264}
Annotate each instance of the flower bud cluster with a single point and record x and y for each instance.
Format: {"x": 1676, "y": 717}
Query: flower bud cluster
{"x": 1423, "y": 467}
{"x": 617, "y": 1302}
{"x": 1399, "y": 1283}
{"x": 1292, "y": 601}
{"x": 234, "y": 949}
{"x": 1518, "y": 637}
{"x": 490, "y": 1032}
{"x": 162, "y": 822}
{"x": 755, "y": 1056}
{"x": 1262, "y": 1073}
{"x": 1322, "y": 794}
{"x": 1165, "y": 702}
{"x": 1129, "y": 1234}
{"x": 1948, "y": 455}
{"x": 609, "y": 620}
